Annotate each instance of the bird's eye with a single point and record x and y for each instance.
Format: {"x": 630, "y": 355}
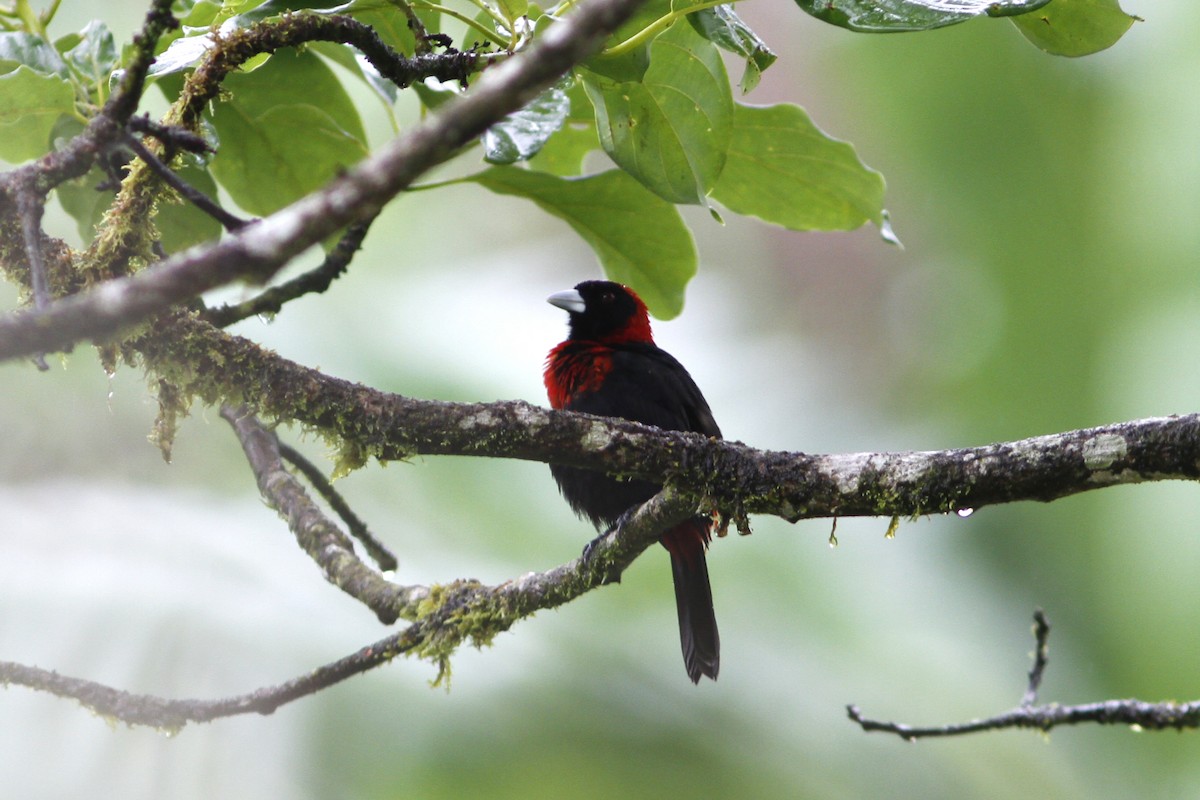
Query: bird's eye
{"x": 608, "y": 297}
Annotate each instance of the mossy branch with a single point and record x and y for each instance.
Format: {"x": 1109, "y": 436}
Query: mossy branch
{"x": 448, "y": 617}
{"x": 363, "y": 422}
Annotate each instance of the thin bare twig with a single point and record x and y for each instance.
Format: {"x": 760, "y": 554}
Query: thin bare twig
{"x": 377, "y": 550}
{"x": 172, "y": 715}
{"x": 1041, "y": 656}
{"x": 316, "y": 534}
{"x": 199, "y": 199}
{"x": 1134, "y": 713}
{"x": 464, "y": 611}
{"x": 270, "y": 301}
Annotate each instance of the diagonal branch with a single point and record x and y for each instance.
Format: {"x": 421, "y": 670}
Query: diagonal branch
{"x": 316, "y": 534}
{"x": 379, "y": 553}
{"x": 258, "y": 251}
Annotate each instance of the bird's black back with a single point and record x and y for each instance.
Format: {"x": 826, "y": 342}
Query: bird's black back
{"x": 644, "y": 384}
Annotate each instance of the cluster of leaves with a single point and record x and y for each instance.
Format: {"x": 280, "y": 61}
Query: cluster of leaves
{"x": 657, "y": 101}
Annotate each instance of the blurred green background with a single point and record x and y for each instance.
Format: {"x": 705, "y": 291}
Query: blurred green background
{"x": 1048, "y": 208}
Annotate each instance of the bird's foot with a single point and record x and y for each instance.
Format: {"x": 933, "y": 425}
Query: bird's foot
{"x": 611, "y": 573}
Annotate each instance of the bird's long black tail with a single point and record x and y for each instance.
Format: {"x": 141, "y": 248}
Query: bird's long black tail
{"x": 693, "y": 598}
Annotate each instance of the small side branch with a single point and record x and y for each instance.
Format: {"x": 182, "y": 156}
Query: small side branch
{"x": 358, "y": 529}
{"x": 188, "y": 192}
{"x": 316, "y": 534}
{"x": 452, "y": 615}
{"x": 142, "y": 709}
{"x": 1041, "y": 656}
{"x": 314, "y": 282}
{"x": 1134, "y": 713}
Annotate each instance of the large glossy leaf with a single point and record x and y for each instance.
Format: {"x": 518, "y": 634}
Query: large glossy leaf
{"x": 24, "y": 49}
{"x": 721, "y": 26}
{"x": 30, "y": 105}
{"x": 94, "y": 54}
{"x": 285, "y": 129}
{"x": 564, "y": 152}
{"x": 887, "y": 16}
{"x": 1075, "y": 27}
{"x": 520, "y": 135}
{"x": 783, "y": 169}
{"x": 639, "y": 238}
{"x": 385, "y": 17}
{"x": 181, "y": 54}
{"x": 669, "y": 130}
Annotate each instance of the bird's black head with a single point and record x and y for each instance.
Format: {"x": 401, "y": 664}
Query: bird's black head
{"x": 604, "y": 311}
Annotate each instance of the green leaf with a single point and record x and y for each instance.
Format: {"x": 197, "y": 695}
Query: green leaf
{"x": 181, "y": 54}
{"x": 277, "y": 144}
{"x": 887, "y": 16}
{"x": 248, "y": 13}
{"x": 25, "y": 49}
{"x": 513, "y": 9}
{"x": 433, "y": 98}
{"x": 354, "y": 62}
{"x": 94, "y": 56}
{"x": 563, "y": 153}
{"x": 671, "y": 129}
{"x": 79, "y": 197}
{"x": 201, "y": 13}
{"x": 30, "y": 105}
{"x": 639, "y": 238}
{"x": 783, "y": 169}
{"x": 1075, "y": 27}
{"x": 520, "y": 135}
{"x": 721, "y": 26}
{"x": 386, "y": 18}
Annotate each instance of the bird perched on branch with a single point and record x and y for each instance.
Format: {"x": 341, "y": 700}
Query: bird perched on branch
{"x": 610, "y": 366}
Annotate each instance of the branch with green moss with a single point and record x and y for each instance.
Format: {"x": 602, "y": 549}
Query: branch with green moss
{"x": 361, "y": 423}
{"x": 27, "y": 255}
{"x": 446, "y": 618}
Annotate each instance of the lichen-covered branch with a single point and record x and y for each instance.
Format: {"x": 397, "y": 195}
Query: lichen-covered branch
{"x": 172, "y": 715}
{"x": 23, "y": 190}
{"x": 383, "y": 557}
{"x": 363, "y": 422}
